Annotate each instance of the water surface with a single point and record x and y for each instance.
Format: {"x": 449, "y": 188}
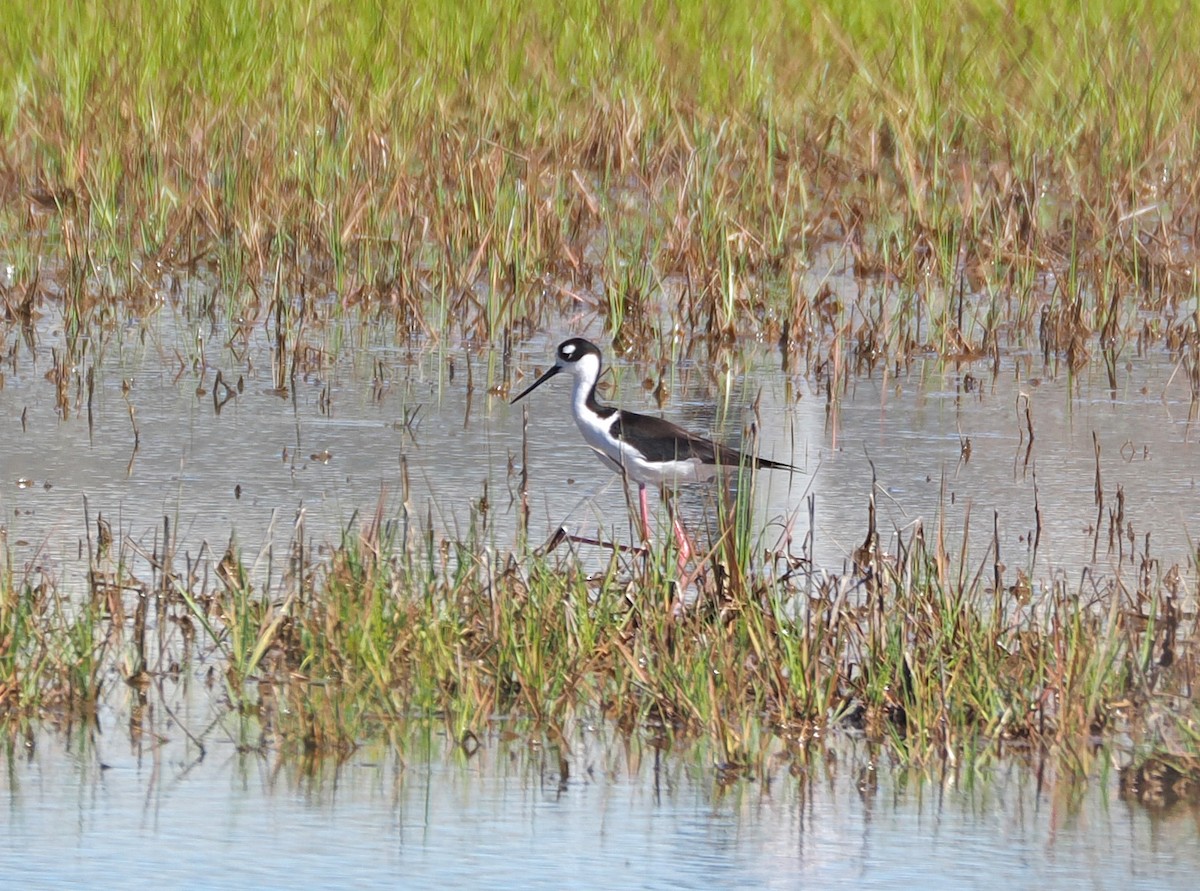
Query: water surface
{"x": 430, "y": 816}
{"x": 423, "y": 433}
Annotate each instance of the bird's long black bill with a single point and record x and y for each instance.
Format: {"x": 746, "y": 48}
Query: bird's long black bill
{"x": 554, "y": 369}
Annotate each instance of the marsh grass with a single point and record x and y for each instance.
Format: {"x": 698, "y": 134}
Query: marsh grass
{"x": 916, "y": 650}
{"x": 984, "y": 170}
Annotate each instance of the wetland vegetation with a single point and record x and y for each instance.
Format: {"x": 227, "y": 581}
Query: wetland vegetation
{"x": 1006, "y": 189}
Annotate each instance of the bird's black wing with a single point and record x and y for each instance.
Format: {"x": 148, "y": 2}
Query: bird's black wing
{"x": 660, "y": 440}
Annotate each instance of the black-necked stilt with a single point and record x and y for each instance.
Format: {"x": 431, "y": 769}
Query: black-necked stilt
{"x": 643, "y": 448}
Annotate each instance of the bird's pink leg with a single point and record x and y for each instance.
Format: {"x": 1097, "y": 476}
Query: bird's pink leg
{"x": 645, "y": 511}
{"x": 684, "y": 543}
{"x": 681, "y": 539}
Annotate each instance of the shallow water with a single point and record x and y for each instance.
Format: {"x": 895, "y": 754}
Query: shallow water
{"x": 343, "y": 441}
{"x": 504, "y": 818}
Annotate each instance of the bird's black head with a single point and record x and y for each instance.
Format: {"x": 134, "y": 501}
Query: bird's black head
{"x": 569, "y": 354}
{"x": 571, "y": 351}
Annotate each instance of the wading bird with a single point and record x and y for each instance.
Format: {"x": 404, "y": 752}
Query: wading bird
{"x": 643, "y": 448}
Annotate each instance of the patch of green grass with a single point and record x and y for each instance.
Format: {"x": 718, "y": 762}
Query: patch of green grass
{"x": 478, "y": 169}
{"x": 918, "y": 650}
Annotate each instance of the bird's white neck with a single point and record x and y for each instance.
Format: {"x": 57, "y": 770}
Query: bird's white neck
{"x": 586, "y": 372}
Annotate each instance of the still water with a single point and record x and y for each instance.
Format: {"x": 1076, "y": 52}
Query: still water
{"x": 503, "y": 817}
{"x": 425, "y": 433}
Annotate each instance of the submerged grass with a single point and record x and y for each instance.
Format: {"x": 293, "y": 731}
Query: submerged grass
{"x": 919, "y": 653}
